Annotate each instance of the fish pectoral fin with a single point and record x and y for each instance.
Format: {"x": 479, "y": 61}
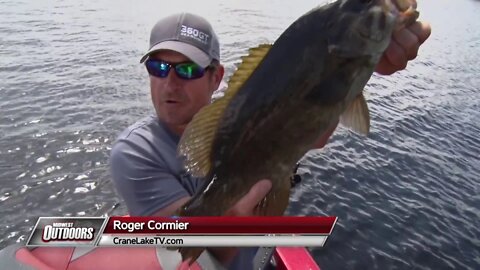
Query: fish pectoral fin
{"x": 357, "y": 116}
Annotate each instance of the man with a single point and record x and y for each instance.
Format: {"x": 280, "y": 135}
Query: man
{"x": 184, "y": 67}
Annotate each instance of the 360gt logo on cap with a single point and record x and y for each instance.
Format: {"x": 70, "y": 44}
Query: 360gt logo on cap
{"x": 195, "y": 34}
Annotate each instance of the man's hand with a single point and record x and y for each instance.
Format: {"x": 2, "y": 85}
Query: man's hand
{"x": 403, "y": 48}
{"x": 247, "y": 204}
{"x": 244, "y": 207}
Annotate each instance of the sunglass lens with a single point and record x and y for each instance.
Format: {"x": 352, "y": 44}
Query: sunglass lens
{"x": 189, "y": 70}
{"x": 157, "y": 68}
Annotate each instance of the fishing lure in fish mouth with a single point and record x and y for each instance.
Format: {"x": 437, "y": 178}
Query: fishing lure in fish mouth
{"x": 282, "y": 99}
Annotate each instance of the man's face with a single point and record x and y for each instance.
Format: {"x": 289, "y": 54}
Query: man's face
{"x": 177, "y": 100}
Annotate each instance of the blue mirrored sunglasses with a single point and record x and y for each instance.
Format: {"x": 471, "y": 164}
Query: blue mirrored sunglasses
{"x": 184, "y": 70}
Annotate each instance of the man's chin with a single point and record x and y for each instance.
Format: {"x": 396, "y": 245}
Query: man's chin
{"x": 175, "y": 123}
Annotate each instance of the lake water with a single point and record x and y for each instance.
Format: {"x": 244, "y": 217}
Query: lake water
{"x": 407, "y": 197}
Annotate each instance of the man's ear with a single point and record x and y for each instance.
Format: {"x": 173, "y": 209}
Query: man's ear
{"x": 218, "y": 76}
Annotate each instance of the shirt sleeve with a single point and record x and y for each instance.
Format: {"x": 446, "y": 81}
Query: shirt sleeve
{"x": 142, "y": 180}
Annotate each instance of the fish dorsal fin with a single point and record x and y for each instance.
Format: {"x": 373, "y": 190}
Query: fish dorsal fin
{"x": 197, "y": 140}
{"x": 246, "y": 68}
{"x": 357, "y": 116}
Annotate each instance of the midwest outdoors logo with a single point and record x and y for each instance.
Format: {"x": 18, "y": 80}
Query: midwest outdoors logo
{"x": 66, "y": 231}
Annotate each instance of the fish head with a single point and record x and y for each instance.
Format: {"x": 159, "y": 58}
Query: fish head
{"x": 365, "y": 27}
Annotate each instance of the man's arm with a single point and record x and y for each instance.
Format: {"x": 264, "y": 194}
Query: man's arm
{"x": 143, "y": 181}
{"x": 172, "y": 208}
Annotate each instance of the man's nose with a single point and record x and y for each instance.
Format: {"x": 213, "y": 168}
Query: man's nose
{"x": 173, "y": 80}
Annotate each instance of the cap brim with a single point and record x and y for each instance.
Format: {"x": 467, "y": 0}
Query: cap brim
{"x": 190, "y": 51}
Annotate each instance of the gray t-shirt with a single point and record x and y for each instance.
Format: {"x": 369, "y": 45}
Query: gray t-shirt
{"x": 149, "y": 175}
{"x": 146, "y": 170}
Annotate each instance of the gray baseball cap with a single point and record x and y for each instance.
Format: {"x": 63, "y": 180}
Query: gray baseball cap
{"x": 188, "y": 34}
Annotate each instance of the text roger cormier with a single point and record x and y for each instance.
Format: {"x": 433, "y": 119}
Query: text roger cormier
{"x": 151, "y": 225}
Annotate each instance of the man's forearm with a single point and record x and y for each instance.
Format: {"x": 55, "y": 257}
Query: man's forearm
{"x": 171, "y": 209}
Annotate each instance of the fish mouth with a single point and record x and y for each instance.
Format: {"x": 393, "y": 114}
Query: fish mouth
{"x": 404, "y": 5}
{"x": 376, "y": 37}
{"x": 387, "y": 15}
{"x": 396, "y": 6}
{"x": 377, "y": 22}
{"x": 404, "y": 11}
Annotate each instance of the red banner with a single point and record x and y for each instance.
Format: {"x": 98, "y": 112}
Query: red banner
{"x": 220, "y": 225}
